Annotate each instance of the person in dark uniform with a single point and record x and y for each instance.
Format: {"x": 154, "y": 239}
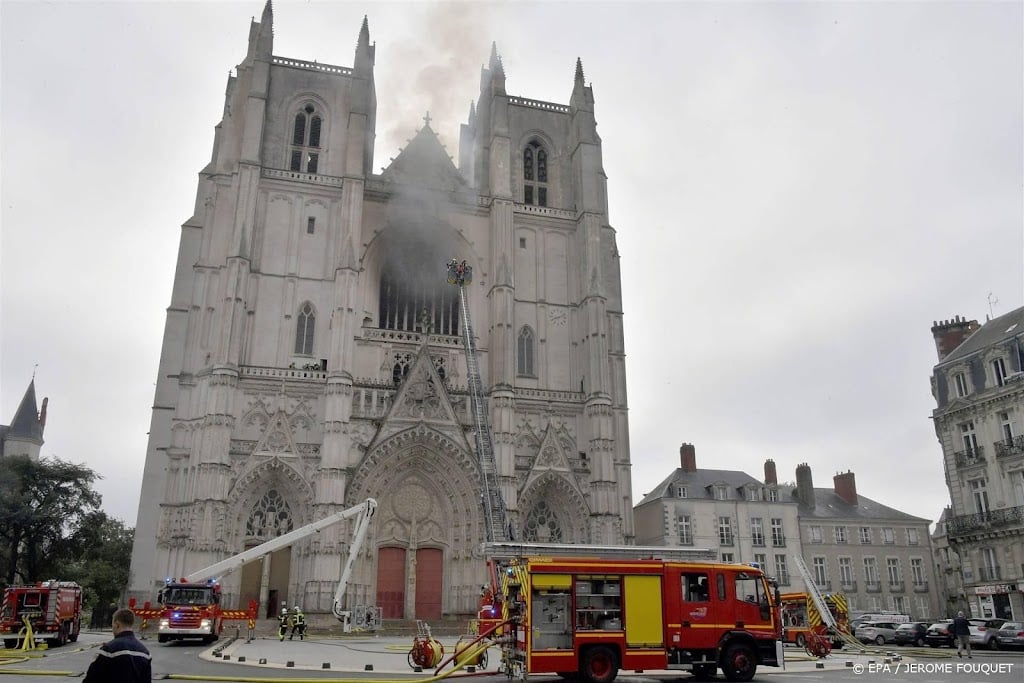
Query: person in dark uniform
{"x": 283, "y": 621}
{"x": 123, "y": 659}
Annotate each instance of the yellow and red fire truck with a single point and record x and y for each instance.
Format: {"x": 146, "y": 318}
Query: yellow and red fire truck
{"x": 53, "y": 609}
{"x": 801, "y": 619}
{"x": 576, "y": 615}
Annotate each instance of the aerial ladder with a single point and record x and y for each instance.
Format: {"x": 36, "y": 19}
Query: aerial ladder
{"x": 363, "y": 514}
{"x": 819, "y": 645}
{"x": 497, "y": 524}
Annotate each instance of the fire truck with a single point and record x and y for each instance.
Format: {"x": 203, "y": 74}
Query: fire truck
{"x": 633, "y": 608}
{"x": 800, "y": 618}
{"x": 190, "y": 608}
{"x": 52, "y": 609}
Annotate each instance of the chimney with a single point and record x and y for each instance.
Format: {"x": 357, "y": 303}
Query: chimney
{"x": 688, "y": 457}
{"x": 770, "y": 478}
{"x": 949, "y": 334}
{"x": 846, "y": 487}
{"x": 805, "y": 485}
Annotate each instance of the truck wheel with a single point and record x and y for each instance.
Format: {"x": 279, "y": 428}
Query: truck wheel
{"x": 599, "y": 665}
{"x": 161, "y": 638}
{"x": 75, "y": 628}
{"x": 11, "y": 643}
{"x": 800, "y": 640}
{"x": 739, "y": 662}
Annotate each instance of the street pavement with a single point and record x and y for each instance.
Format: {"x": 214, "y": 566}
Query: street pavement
{"x": 388, "y": 655}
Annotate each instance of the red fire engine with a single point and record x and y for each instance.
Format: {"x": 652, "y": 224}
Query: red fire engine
{"x": 53, "y": 610}
{"x": 190, "y": 608}
{"x": 592, "y": 616}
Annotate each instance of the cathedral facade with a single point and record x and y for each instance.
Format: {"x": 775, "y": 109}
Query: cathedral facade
{"x": 313, "y": 355}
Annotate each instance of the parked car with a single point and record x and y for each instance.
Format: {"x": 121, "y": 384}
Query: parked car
{"x": 1011, "y": 634}
{"x": 983, "y": 632}
{"x": 878, "y": 632}
{"x": 939, "y": 634}
{"x": 911, "y": 634}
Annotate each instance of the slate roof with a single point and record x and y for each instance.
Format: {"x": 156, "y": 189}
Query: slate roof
{"x": 997, "y": 330}
{"x": 828, "y": 505}
{"x": 700, "y": 480}
{"x": 26, "y": 420}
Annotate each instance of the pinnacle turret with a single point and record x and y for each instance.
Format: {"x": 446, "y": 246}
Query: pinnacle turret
{"x": 579, "y": 71}
{"x": 364, "y": 33}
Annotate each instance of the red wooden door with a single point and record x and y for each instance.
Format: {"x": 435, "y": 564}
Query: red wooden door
{"x": 391, "y": 582}
{"x": 428, "y": 583}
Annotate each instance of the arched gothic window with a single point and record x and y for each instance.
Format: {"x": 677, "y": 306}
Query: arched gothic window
{"x": 304, "y": 327}
{"x": 542, "y": 526}
{"x": 305, "y": 149}
{"x": 270, "y": 517}
{"x": 535, "y": 174}
{"x": 524, "y": 352}
{"x": 417, "y": 303}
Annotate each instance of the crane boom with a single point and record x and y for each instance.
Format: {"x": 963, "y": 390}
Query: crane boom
{"x": 364, "y": 513}
{"x": 495, "y": 515}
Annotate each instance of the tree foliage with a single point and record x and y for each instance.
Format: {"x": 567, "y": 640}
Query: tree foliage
{"x": 101, "y": 566}
{"x": 46, "y": 508}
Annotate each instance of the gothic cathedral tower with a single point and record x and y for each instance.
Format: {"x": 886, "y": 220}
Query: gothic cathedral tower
{"x": 312, "y": 355}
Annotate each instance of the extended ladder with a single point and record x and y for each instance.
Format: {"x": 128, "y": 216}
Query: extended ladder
{"x": 498, "y": 527}
{"x": 816, "y": 597}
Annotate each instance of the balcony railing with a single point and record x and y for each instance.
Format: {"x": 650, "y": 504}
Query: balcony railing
{"x": 988, "y": 573}
{"x": 848, "y": 586}
{"x": 873, "y": 586}
{"x": 1009, "y": 447}
{"x": 920, "y": 586}
{"x": 963, "y": 524}
{"x": 969, "y": 457}
{"x": 823, "y": 585}
{"x": 897, "y": 587}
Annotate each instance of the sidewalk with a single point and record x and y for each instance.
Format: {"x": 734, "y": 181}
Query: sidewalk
{"x": 388, "y": 655}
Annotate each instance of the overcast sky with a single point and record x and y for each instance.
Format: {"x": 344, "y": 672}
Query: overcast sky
{"x": 799, "y": 190}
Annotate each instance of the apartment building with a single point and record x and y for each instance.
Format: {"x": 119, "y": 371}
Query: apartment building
{"x": 880, "y": 557}
{"x": 731, "y": 512}
{"x": 979, "y": 395}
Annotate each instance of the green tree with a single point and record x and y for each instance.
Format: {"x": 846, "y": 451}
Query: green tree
{"x": 104, "y": 547}
{"x": 43, "y": 508}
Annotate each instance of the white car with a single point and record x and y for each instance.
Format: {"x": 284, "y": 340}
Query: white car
{"x": 984, "y": 632}
{"x": 878, "y": 632}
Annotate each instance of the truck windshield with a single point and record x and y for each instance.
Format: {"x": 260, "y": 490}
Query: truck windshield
{"x": 188, "y": 596}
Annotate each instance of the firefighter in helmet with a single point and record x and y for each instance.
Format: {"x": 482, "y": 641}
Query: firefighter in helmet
{"x": 283, "y": 622}
{"x": 298, "y": 623}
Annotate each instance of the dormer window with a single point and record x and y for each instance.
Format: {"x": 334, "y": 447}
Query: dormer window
{"x": 305, "y": 147}
{"x": 721, "y": 492}
{"x": 680, "y": 492}
{"x": 535, "y": 174}
{"x": 960, "y": 384}
{"x": 999, "y": 372}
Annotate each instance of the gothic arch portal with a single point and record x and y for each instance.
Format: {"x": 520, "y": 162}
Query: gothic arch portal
{"x": 428, "y": 490}
{"x": 277, "y": 494}
{"x": 553, "y": 510}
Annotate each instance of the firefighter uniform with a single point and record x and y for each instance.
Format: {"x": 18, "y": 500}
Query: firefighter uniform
{"x": 282, "y": 621}
{"x": 298, "y": 623}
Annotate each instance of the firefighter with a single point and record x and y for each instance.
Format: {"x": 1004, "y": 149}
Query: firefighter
{"x": 283, "y": 622}
{"x": 123, "y": 659}
{"x": 298, "y": 623}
